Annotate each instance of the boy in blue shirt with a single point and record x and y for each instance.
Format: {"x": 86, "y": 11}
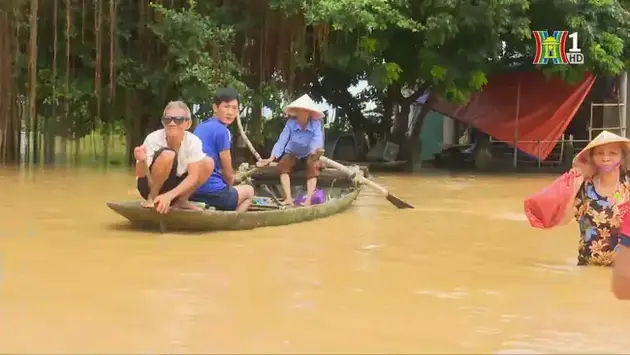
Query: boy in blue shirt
{"x": 215, "y": 136}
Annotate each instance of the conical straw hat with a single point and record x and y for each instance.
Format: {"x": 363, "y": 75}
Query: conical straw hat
{"x": 306, "y": 103}
{"x": 584, "y": 157}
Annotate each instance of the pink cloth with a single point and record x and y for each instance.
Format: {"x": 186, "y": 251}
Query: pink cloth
{"x": 546, "y": 208}
{"x": 624, "y": 208}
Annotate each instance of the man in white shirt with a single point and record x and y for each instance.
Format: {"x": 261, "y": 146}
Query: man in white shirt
{"x": 175, "y": 160}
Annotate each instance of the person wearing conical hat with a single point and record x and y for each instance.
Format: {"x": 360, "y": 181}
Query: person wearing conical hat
{"x": 602, "y": 184}
{"x": 301, "y": 142}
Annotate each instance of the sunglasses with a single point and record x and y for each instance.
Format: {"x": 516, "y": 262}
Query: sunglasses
{"x": 177, "y": 119}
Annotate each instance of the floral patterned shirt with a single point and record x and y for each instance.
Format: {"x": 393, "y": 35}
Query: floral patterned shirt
{"x": 599, "y": 221}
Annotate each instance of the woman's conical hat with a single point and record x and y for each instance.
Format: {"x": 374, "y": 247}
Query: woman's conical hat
{"x": 304, "y": 102}
{"x": 606, "y": 137}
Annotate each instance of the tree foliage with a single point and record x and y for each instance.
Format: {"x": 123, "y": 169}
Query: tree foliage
{"x": 456, "y": 44}
{"x": 603, "y": 29}
{"x": 97, "y": 64}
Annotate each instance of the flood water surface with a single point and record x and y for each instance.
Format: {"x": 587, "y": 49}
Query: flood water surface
{"x": 461, "y": 273}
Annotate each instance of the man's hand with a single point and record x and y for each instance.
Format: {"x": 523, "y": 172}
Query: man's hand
{"x": 263, "y": 162}
{"x": 162, "y": 203}
{"x": 317, "y": 153}
{"x": 140, "y": 153}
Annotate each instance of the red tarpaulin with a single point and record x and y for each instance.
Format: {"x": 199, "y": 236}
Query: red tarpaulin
{"x": 541, "y": 107}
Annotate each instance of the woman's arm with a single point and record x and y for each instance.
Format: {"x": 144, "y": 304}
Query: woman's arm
{"x": 621, "y": 271}
{"x": 576, "y": 199}
{"x": 318, "y": 138}
{"x": 278, "y": 148}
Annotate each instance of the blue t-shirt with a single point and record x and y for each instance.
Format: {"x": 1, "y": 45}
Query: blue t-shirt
{"x": 215, "y": 138}
{"x": 299, "y": 142}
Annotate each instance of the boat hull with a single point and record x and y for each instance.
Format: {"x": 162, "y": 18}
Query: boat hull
{"x": 212, "y": 220}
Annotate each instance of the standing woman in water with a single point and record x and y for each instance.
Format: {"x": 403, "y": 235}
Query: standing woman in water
{"x": 601, "y": 184}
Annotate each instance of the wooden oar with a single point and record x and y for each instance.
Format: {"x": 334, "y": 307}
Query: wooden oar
{"x": 352, "y": 174}
{"x": 249, "y": 144}
{"x": 241, "y": 130}
{"x": 147, "y": 173}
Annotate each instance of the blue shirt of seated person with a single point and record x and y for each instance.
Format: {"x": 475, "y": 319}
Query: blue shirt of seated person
{"x": 216, "y": 140}
{"x": 298, "y": 142}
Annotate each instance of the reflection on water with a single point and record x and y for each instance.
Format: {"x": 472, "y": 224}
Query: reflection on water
{"x": 461, "y": 273}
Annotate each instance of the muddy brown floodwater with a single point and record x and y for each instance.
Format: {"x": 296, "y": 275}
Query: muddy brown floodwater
{"x": 461, "y": 273}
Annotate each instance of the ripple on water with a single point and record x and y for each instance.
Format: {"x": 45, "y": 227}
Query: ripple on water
{"x": 553, "y": 341}
{"x": 511, "y": 216}
{"x": 472, "y": 312}
{"x": 454, "y": 186}
{"x": 509, "y": 318}
{"x": 370, "y": 247}
{"x": 491, "y": 292}
{"x": 517, "y": 351}
{"x": 454, "y": 294}
{"x": 556, "y": 268}
{"x": 487, "y": 330}
{"x": 504, "y": 216}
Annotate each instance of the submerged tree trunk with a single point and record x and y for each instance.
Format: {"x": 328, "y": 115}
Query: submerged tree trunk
{"x": 76, "y": 155}
{"x": 401, "y": 125}
{"x": 66, "y": 99}
{"x": 414, "y": 141}
{"x": 63, "y": 150}
{"x": 49, "y": 136}
{"x": 7, "y": 41}
{"x": 32, "y": 83}
{"x": 407, "y": 150}
{"x": 106, "y": 139}
{"x": 49, "y": 148}
{"x": 388, "y": 112}
{"x": 130, "y": 126}
{"x": 98, "y": 25}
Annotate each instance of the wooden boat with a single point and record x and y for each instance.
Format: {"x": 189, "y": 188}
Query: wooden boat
{"x": 265, "y": 211}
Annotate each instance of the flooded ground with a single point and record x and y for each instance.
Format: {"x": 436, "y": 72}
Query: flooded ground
{"x": 461, "y": 273}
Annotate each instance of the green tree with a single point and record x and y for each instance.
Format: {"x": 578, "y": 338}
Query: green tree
{"x": 461, "y": 42}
